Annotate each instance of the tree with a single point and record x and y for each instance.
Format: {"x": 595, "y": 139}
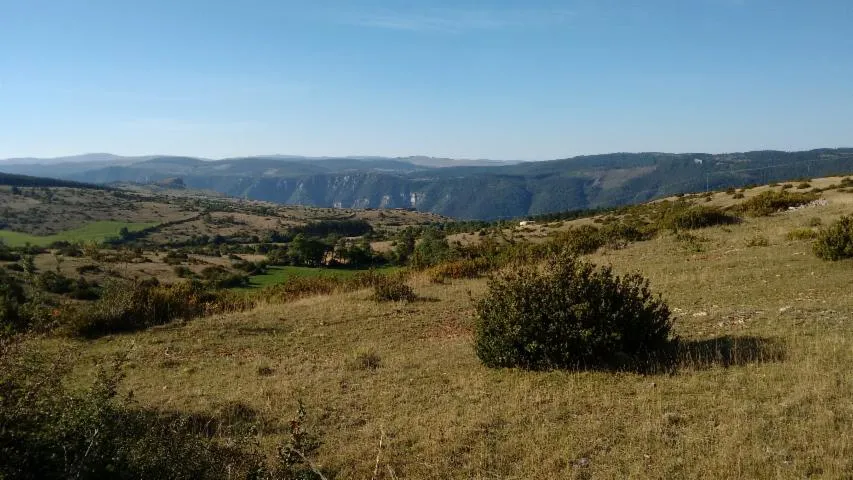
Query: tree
{"x": 431, "y": 250}
{"x": 307, "y": 251}
{"x": 404, "y": 248}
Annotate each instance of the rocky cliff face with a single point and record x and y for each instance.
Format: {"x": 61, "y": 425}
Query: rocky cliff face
{"x": 492, "y": 192}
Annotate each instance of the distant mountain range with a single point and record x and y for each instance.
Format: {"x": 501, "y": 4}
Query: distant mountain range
{"x": 470, "y": 189}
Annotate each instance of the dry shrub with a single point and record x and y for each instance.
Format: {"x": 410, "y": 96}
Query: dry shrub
{"x": 460, "y": 269}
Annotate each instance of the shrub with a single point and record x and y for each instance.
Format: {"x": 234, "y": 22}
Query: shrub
{"x": 53, "y": 282}
{"x": 128, "y": 306}
{"x": 219, "y": 277}
{"x": 758, "y": 241}
{"x": 802, "y": 234}
{"x": 7, "y": 255}
{"x": 804, "y": 185}
{"x": 182, "y": 271}
{"x": 88, "y": 269}
{"x": 460, "y": 269}
{"x": 835, "y": 242}
{"x": 771, "y": 202}
{"x": 390, "y": 291}
{"x": 84, "y": 290}
{"x": 814, "y": 222}
{"x": 738, "y": 196}
{"x": 11, "y": 299}
{"x": 690, "y": 242}
{"x": 49, "y": 431}
{"x": 571, "y": 315}
{"x": 696, "y": 217}
{"x": 580, "y": 240}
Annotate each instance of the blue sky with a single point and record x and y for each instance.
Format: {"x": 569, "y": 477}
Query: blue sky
{"x": 488, "y": 79}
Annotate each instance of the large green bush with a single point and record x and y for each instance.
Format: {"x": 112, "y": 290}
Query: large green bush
{"x": 835, "y": 242}
{"x": 570, "y": 314}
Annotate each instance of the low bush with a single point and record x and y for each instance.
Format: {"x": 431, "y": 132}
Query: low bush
{"x": 129, "y": 306}
{"x": 696, "y": 217}
{"x": 581, "y": 240}
{"x": 11, "y": 299}
{"x": 391, "y": 291}
{"x": 182, "y": 271}
{"x": 771, "y": 202}
{"x": 82, "y": 269}
{"x": 7, "y": 255}
{"x": 48, "y": 431}
{"x": 53, "y": 282}
{"x": 835, "y": 242}
{"x": 570, "y": 314}
{"x": 460, "y": 269}
{"x": 758, "y": 241}
{"x": 221, "y": 277}
{"x": 84, "y": 290}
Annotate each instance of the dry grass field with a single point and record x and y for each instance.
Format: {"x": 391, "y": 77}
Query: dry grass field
{"x": 41, "y": 216}
{"x": 762, "y": 388}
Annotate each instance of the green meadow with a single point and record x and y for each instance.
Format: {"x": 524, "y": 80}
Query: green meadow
{"x": 95, "y": 231}
{"x": 277, "y": 275}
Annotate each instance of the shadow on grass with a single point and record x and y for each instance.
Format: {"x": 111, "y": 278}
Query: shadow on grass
{"x": 727, "y": 351}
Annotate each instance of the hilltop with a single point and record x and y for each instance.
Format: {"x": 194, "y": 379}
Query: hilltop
{"x": 395, "y": 389}
{"x": 483, "y": 190}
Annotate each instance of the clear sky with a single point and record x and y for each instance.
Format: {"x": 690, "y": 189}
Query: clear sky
{"x": 503, "y": 79}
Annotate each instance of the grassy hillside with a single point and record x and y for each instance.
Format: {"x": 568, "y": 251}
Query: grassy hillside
{"x": 92, "y": 232}
{"x": 394, "y": 390}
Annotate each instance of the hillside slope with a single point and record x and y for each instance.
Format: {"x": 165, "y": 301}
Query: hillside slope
{"x": 476, "y": 192}
{"x": 763, "y": 391}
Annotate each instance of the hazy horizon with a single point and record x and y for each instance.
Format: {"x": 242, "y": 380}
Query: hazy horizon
{"x": 403, "y": 157}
